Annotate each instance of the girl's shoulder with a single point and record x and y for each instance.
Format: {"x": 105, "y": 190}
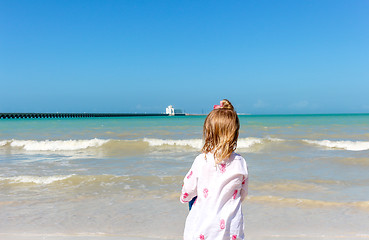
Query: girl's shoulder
{"x": 209, "y": 156}
{"x": 200, "y": 159}
{"x": 208, "y": 159}
{"x": 201, "y": 156}
{"x": 237, "y": 159}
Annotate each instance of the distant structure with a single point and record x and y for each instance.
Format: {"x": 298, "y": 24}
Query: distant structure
{"x": 76, "y": 115}
{"x": 171, "y": 111}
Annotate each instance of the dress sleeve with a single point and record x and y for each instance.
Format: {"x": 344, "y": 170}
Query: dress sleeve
{"x": 189, "y": 189}
{"x": 245, "y": 185}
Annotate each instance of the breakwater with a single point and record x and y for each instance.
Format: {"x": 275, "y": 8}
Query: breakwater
{"x": 79, "y": 115}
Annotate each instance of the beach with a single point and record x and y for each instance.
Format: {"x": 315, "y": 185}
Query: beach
{"x": 120, "y": 178}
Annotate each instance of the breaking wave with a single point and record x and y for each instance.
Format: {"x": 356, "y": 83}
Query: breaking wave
{"x": 154, "y": 186}
{"x": 33, "y": 179}
{"x": 129, "y": 145}
{"x": 73, "y": 145}
{"x": 58, "y": 145}
{"x": 197, "y": 143}
{"x": 97, "y": 181}
{"x": 2, "y": 143}
{"x": 194, "y": 143}
{"x": 345, "y": 145}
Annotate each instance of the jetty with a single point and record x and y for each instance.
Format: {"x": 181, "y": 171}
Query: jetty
{"x": 170, "y": 111}
{"x": 80, "y": 115}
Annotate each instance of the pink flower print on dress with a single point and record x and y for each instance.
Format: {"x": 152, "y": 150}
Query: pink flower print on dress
{"x": 222, "y": 167}
{"x": 189, "y": 175}
{"x": 235, "y": 194}
{"x": 234, "y": 237}
{"x": 202, "y": 237}
{"x": 184, "y": 196}
{"x": 222, "y": 224}
{"x": 206, "y": 191}
{"x": 244, "y": 180}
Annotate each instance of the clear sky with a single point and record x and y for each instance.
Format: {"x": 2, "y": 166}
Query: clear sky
{"x": 140, "y": 56}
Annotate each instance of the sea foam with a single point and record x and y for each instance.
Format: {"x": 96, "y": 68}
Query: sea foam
{"x": 198, "y": 143}
{"x": 35, "y": 179}
{"x": 58, "y": 145}
{"x": 345, "y": 145}
{"x": 3, "y": 143}
{"x": 194, "y": 143}
{"x": 250, "y": 141}
{"x": 80, "y": 144}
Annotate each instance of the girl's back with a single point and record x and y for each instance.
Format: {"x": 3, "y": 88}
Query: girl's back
{"x": 220, "y": 190}
{"x": 218, "y": 178}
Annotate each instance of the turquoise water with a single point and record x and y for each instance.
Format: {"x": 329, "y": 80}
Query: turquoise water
{"x": 110, "y": 176}
{"x": 142, "y": 126}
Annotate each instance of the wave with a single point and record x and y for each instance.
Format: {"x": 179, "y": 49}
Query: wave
{"x": 244, "y": 144}
{"x": 194, "y": 143}
{"x": 154, "y": 186}
{"x": 88, "y": 182}
{"x": 344, "y": 145}
{"x": 116, "y": 144}
{"x": 57, "y": 145}
{"x": 3, "y": 143}
{"x": 286, "y": 186}
{"x": 363, "y": 161}
{"x": 306, "y": 202}
{"x": 100, "y": 180}
{"x": 45, "y": 180}
{"x": 149, "y": 180}
{"x": 164, "y": 186}
{"x": 250, "y": 141}
{"x": 197, "y": 143}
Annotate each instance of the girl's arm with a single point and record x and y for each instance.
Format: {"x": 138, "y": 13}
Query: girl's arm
{"x": 189, "y": 188}
{"x": 245, "y": 187}
{"x": 245, "y": 182}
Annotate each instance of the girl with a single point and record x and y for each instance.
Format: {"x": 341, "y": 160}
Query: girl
{"x": 219, "y": 178}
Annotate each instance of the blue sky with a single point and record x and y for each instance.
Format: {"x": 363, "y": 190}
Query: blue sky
{"x": 267, "y": 57}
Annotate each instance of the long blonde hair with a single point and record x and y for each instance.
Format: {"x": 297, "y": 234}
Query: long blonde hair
{"x": 220, "y": 132}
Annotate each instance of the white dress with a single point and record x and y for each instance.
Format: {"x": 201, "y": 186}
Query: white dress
{"x": 220, "y": 190}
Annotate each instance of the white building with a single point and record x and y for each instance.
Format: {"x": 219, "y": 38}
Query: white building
{"x": 169, "y": 110}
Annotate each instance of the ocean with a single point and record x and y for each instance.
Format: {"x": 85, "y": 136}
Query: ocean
{"x": 120, "y": 178}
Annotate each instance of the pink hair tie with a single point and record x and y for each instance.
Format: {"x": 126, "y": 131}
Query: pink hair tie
{"x": 218, "y": 106}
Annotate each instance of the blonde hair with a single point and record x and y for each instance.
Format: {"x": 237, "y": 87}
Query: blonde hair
{"x": 220, "y": 132}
